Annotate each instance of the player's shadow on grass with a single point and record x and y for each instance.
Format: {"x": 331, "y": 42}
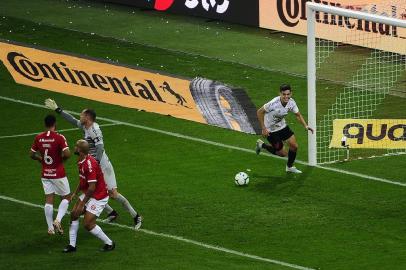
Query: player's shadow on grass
{"x": 290, "y": 182}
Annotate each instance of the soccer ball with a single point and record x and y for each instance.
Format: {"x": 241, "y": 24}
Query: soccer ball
{"x": 241, "y": 179}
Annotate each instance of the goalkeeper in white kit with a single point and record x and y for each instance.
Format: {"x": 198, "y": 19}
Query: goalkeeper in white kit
{"x": 271, "y": 116}
{"x": 93, "y": 135}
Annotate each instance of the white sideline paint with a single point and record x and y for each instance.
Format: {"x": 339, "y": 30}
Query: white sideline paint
{"x": 59, "y": 130}
{"x": 186, "y": 137}
{"x": 178, "y": 238}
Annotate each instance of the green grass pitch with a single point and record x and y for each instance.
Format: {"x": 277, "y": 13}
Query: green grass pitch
{"x": 195, "y": 216}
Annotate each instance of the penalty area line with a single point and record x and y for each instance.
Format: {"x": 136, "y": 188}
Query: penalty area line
{"x": 190, "y": 138}
{"x": 178, "y": 238}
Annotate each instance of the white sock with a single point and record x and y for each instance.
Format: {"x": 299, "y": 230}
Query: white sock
{"x": 73, "y": 232}
{"x": 63, "y": 207}
{"x": 98, "y": 232}
{"x": 49, "y": 215}
{"x": 126, "y": 204}
{"x": 108, "y": 209}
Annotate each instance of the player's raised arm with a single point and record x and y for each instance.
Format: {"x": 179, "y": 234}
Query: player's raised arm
{"x": 51, "y": 104}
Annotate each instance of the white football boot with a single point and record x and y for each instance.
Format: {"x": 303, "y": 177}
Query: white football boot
{"x": 292, "y": 170}
{"x": 258, "y": 146}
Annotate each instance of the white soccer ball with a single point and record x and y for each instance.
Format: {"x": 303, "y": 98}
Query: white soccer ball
{"x": 241, "y": 179}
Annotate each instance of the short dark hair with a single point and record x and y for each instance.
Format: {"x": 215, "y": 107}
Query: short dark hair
{"x": 50, "y": 120}
{"x": 285, "y": 87}
{"x": 91, "y": 113}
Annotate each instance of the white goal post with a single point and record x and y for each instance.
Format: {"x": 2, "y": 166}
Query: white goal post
{"x": 316, "y": 15}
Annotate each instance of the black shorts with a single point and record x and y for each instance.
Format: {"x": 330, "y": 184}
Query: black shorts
{"x": 276, "y": 138}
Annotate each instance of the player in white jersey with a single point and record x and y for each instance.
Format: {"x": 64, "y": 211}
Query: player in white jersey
{"x": 271, "y": 116}
{"x": 93, "y": 135}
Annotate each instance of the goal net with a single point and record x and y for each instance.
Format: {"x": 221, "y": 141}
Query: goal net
{"x": 356, "y": 81}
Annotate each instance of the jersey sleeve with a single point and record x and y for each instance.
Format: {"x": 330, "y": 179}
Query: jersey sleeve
{"x": 34, "y": 147}
{"x": 63, "y": 143}
{"x": 71, "y": 119}
{"x": 295, "y": 108}
{"x": 90, "y": 172}
{"x": 96, "y": 135}
{"x": 268, "y": 107}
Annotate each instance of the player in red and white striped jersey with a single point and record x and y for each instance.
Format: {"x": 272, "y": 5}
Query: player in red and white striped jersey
{"x": 51, "y": 149}
{"x": 92, "y": 201}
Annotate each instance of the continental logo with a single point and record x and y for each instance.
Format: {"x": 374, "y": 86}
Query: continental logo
{"x": 100, "y": 81}
{"x": 291, "y": 11}
{"x": 370, "y": 133}
{"x": 38, "y": 72}
{"x": 290, "y": 16}
{"x": 200, "y": 100}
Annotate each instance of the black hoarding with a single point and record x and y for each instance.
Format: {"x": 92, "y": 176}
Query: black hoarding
{"x": 237, "y": 11}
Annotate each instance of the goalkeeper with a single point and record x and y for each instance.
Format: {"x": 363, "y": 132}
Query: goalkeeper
{"x": 271, "y": 116}
{"x": 93, "y": 135}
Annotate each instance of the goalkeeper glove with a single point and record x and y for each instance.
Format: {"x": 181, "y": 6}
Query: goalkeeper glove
{"x": 51, "y": 104}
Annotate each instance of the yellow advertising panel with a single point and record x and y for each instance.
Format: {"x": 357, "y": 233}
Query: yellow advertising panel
{"x": 100, "y": 81}
{"x": 369, "y": 133}
{"x": 290, "y": 16}
{"x": 200, "y": 100}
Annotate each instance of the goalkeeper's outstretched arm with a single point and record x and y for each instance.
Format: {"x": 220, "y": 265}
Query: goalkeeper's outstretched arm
{"x": 51, "y": 104}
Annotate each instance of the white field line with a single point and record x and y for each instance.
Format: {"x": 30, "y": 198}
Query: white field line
{"x": 59, "y": 130}
{"x": 186, "y": 137}
{"x": 178, "y": 238}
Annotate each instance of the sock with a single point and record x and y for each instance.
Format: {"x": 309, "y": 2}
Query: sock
{"x": 98, "y": 232}
{"x": 63, "y": 207}
{"x": 291, "y": 158}
{"x": 126, "y": 204}
{"x": 49, "y": 213}
{"x": 73, "y": 232}
{"x": 269, "y": 148}
{"x": 108, "y": 209}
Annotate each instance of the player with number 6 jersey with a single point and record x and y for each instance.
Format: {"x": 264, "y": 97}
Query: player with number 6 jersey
{"x": 93, "y": 135}
{"x": 51, "y": 149}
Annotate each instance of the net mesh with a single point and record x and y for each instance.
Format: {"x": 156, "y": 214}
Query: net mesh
{"x": 360, "y": 76}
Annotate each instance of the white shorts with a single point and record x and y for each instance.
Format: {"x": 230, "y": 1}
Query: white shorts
{"x": 58, "y": 186}
{"x": 95, "y": 206}
{"x": 108, "y": 172}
